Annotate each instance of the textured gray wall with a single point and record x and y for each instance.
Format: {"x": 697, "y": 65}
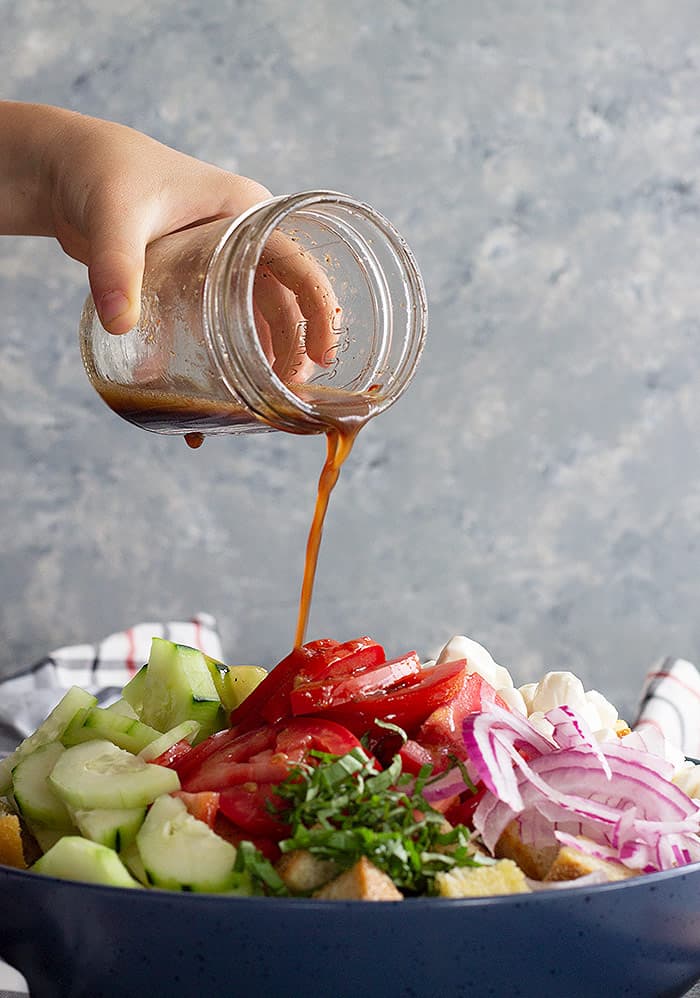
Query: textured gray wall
{"x": 539, "y": 486}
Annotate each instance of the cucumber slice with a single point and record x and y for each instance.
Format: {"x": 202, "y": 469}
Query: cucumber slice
{"x": 123, "y": 706}
{"x": 50, "y": 730}
{"x": 217, "y": 671}
{"x": 238, "y": 683}
{"x": 73, "y": 858}
{"x": 185, "y": 730}
{"x": 115, "y": 828}
{"x": 181, "y": 853}
{"x": 134, "y": 690}
{"x": 179, "y": 687}
{"x": 97, "y": 774}
{"x": 131, "y": 858}
{"x": 98, "y": 722}
{"x": 34, "y": 795}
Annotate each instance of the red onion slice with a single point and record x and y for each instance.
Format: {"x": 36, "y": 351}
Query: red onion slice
{"x": 617, "y": 796}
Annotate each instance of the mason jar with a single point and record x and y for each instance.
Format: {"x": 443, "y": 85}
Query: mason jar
{"x": 306, "y": 311}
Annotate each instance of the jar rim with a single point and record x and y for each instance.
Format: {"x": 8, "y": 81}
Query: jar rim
{"x": 268, "y": 215}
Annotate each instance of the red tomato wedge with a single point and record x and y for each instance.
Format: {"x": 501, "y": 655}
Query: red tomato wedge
{"x": 224, "y": 746}
{"x": 173, "y": 755}
{"x": 248, "y": 807}
{"x": 203, "y": 806}
{"x": 235, "y": 835}
{"x": 263, "y": 756}
{"x": 300, "y": 735}
{"x": 407, "y": 704}
{"x": 273, "y": 692}
{"x": 461, "y": 812}
{"x": 218, "y": 775}
{"x": 443, "y": 728}
{"x": 414, "y": 756}
{"x": 244, "y": 760}
{"x": 322, "y": 659}
{"x": 312, "y": 698}
{"x": 345, "y": 660}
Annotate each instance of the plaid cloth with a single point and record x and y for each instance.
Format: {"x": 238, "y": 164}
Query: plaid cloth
{"x": 670, "y": 704}
{"x": 102, "y": 669}
{"x": 670, "y": 698}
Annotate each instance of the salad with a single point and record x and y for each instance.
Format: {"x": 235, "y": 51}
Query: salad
{"x": 343, "y": 774}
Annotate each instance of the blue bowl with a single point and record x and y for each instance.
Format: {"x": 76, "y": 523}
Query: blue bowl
{"x": 639, "y": 938}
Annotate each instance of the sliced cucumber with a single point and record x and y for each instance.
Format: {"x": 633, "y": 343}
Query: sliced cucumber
{"x": 115, "y": 828}
{"x": 217, "y": 671}
{"x": 123, "y": 706}
{"x": 185, "y": 730}
{"x": 179, "y": 687}
{"x": 73, "y": 858}
{"x": 131, "y": 858}
{"x": 181, "y": 853}
{"x": 33, "y": 794}
{"x": 49, "y": 731}
{"x": 97, "y": 774}
{"x": 98, "y": 722}
{"x": 238, "y": 683}
{"x": 134, "y": 690}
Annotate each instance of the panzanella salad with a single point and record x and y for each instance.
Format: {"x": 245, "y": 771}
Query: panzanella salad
{"x": 342, "y": 774}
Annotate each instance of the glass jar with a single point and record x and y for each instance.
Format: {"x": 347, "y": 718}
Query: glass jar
{"x": 305, "y": 311}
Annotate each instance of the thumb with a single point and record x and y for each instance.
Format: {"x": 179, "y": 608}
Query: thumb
{"x": 115, "y": 270}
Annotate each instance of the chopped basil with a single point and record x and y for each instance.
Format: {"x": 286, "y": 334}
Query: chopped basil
{"x": 341, "y": 808}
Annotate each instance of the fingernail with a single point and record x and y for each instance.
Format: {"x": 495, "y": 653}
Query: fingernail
{"x": 112, "y": 305}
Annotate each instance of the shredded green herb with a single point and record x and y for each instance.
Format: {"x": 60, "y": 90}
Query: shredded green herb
{"x": 254, "y": 874}
{"x": 341, "y": 809}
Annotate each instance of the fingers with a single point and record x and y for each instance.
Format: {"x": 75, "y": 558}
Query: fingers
{"x": 284, "y": 323}
{"x": 115, "y": 267}
{"x": 299, "y": 271}
{"x": 264, "y": 335}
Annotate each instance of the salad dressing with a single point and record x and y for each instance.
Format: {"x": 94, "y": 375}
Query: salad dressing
{"x": 344, "y": 415}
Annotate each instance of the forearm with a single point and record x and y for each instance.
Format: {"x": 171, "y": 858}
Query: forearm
{"x": 28, "y": 132}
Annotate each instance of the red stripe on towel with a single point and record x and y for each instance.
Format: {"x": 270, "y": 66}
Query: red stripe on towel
{"x": 130, "y": 661}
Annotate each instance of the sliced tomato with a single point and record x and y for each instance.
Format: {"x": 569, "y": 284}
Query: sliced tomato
{"x": 235, "y": 835}
{"x": 199, "y": 753}
{"x": 345, "y": 660}
{"x": 203, "y": 806}
{"x": 461, "y": 811}
{"x": 414, "y": 756}
{"x": 226, "y": 746}
{"x": 220, "y": 772}
{"x": 173, "y": 755}
{"x": 301, "y": 735}
{"x": 321, "y": 660}
{"x": 247, "y": 807}
{"x": 270, "y": 698}
{"x": 443, "y": 729}
{"x": 407, "y": 704}
{"x": 312, "y": 698}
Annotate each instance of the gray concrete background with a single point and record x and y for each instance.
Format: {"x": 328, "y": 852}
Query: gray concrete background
{"x": 539, "y": 486}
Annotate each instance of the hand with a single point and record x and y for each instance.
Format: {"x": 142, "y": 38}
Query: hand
{"x": 106, "y": 191}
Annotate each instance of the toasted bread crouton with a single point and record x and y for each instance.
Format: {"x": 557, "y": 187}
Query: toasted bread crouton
{"x": 303, "y": 872}
{"x": 501, "y": 877}
{"x": 533, "y": 862}
{"x": 571, "y": 864}
{"x": 11, "y": 848}
{"x": 362, "y": 882}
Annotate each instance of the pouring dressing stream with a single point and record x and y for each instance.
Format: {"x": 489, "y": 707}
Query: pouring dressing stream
{"x": 305, "y": 314}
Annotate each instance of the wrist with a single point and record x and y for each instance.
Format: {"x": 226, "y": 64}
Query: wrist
{"x": 32, "y": 136}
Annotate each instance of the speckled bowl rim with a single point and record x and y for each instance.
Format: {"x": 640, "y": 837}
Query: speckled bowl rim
{"x": 537, "y": 897}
